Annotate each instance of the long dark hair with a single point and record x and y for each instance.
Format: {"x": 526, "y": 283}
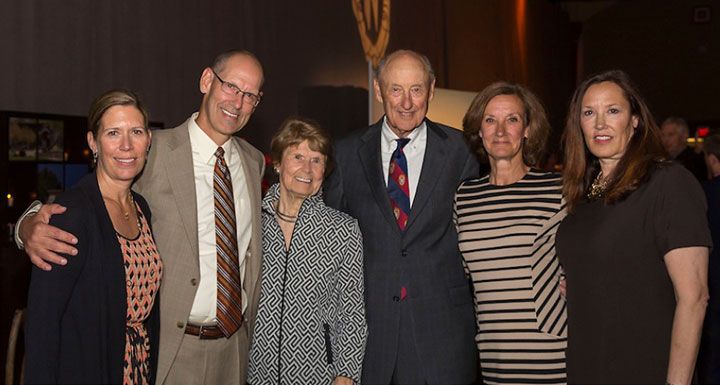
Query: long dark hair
{"x": 643, "y": 153}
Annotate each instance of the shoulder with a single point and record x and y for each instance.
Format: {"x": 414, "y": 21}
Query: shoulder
{"x": 337, "y": 218}
{"x": 249, "y": 149}
{"x": 665, "y": 173}
{"x": 358, "y": 136}
{"x": 472, "y": 184}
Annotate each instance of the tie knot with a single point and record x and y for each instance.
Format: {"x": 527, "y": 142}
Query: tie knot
{"x": 219, "y": 152}
{"x": 402, "y": 142}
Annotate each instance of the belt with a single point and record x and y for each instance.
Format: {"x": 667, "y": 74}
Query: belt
{"x": 205, "y": 332}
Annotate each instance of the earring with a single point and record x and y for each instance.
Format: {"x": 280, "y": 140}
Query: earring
{"x": 95, "y": 156}
{"x": 277, "y": 170}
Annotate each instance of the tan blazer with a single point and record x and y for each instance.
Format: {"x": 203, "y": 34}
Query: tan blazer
{"x": 168, "y": 185}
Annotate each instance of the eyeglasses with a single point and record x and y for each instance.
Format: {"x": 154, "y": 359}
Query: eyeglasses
{"x": 231, "y": 89}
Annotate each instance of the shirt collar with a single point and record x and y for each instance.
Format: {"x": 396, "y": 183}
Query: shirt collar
{"x": 205, "y": 147}
{"x": 389, "y": 137}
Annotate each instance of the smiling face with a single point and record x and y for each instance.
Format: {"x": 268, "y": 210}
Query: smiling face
{"x": 121, "y": 143}
{"x": 404, "y": 89}
{"x": 607, "y": 123}
{"x": 503, "y": 128}
{"x": 301, "y": 171}
{"x": 222, "y": 114}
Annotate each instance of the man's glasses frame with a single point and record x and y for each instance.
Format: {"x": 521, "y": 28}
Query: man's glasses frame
{"x": 231, "y": 89}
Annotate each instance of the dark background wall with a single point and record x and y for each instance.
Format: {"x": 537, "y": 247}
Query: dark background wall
{"x": 56, "y": 56}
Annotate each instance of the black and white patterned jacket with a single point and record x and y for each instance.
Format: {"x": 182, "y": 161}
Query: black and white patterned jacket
{"x": 310, "y": 325}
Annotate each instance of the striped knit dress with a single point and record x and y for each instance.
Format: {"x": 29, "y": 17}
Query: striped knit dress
{"x": 507, "y": 238}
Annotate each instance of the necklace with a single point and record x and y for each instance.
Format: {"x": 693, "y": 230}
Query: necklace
{"x": 597, "y": 188}
{"x": 285, "y": 217}
{"x": 126, "y": 214}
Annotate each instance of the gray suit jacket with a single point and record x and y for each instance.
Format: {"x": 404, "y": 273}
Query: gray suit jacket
{"x": 168, "y": 185}
{"x": 425, "y": 257}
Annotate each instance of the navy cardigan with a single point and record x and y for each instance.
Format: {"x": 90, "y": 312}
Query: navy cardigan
{"x": 75, "y": 325}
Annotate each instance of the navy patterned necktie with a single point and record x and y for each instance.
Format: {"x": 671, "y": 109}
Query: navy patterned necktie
{"x": 398, "y": 187}
{"x": 229, "y": 297}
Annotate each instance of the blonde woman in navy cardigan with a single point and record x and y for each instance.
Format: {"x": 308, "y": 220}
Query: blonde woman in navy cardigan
{"x": 96, "y": 319}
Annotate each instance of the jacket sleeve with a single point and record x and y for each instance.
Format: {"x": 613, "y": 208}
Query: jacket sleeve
{"x": 48, "y": 298}
{"x": 351, "y": 325}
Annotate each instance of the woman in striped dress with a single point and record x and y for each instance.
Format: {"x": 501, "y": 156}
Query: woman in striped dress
{"x": 506, "y": 225}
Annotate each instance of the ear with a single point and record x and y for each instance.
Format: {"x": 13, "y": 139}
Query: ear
{"x": 378, "y": 93}
{"x": 206, "y": 80}
{"x": 432, "y": 91}
{"x": 149, "y": 131}
{"x": 635, "y": 121}
{"x": 713, "y": 160}
{"x": 91, "y": 142}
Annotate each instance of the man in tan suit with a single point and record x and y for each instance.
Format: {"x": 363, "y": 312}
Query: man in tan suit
{"x": 178, "y": 184}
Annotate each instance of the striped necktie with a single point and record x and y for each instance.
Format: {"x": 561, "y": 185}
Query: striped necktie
{"x": 398, "y": 186}
{"x": 229, "y": 297}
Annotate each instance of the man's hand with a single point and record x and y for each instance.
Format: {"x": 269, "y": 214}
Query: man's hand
{"x": 43, "y": 242}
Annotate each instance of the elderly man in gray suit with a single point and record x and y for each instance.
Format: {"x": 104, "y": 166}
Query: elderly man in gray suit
{"x": 206, "y": 321}
{"x": 398, "y": 178}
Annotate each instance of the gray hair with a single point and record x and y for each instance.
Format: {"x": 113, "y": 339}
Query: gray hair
{"x": 429, "y": 72}
{"x": 679, "y": 122}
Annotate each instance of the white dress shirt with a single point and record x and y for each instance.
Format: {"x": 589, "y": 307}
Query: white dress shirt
{"x": 204, "y": 307}
{"x": 414, "y": 152}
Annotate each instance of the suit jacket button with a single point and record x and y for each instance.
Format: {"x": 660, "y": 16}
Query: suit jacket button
{"x": 181, "y": 325}
{"x": 404, "y": 253}
{"x": 396, "y": 298}
{"x": 193, "y": 282}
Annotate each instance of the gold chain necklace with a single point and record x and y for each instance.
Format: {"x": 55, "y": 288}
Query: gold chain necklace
{"x": 597, "y": 188}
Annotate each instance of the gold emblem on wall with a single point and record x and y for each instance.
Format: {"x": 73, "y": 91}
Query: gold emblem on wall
{"x": 373, "y": 21}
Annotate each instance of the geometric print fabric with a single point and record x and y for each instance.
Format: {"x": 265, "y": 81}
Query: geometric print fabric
{"x": 310, "y": 325}
{"x": 143, "y": 273}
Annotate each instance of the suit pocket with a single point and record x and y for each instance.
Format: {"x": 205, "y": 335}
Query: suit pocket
{"x": 328, "y": 345}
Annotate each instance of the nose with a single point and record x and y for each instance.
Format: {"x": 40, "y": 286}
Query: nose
{"x": 501, "y": 129}
{"x": 406, "y": 102}
{"x": 125, "y": 142}
{"x": 600, "y": 121}
{"x": 306, "y": 165}
{"x": 238, "y": 101}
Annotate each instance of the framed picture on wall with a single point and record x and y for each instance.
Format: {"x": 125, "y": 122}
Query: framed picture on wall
{"x": 50, "y": 140}
{"x": 22, "y": 139}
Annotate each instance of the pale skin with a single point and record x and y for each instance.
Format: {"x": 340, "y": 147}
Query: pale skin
{"x": 221, "y": 114}
{"x": 404, "y": 89}
{"x": 608, "y": 125}
{"x": 502, "y": 130}
{"x": 301, "y": 172}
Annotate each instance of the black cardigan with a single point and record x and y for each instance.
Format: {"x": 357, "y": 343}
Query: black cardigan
{"x": 75, "y": 328}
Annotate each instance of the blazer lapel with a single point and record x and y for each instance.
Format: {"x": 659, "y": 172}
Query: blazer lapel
{"x": 179, "y": 168}
{"x": 369, "y": 154}
{"x": 252, "y": 267}
{"x": 433, "y": 165}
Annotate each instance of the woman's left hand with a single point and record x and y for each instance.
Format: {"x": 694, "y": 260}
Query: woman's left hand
{"x": 342, "y": 380}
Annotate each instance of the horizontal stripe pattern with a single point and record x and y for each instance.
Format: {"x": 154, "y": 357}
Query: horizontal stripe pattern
{"x": 507, "y": 237}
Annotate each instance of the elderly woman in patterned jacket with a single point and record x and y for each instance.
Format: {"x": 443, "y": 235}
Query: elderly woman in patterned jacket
{"x": 310, "y": 326}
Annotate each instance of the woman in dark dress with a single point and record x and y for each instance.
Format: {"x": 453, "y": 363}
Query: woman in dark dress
{"x": 96, "y": 320}
{"x": 634, "y": 245}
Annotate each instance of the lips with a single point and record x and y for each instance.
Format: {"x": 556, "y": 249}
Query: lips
{"x": 602, "y": 138}
{"x": 303, "y": 180}
{"x": 228, "y": 113}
